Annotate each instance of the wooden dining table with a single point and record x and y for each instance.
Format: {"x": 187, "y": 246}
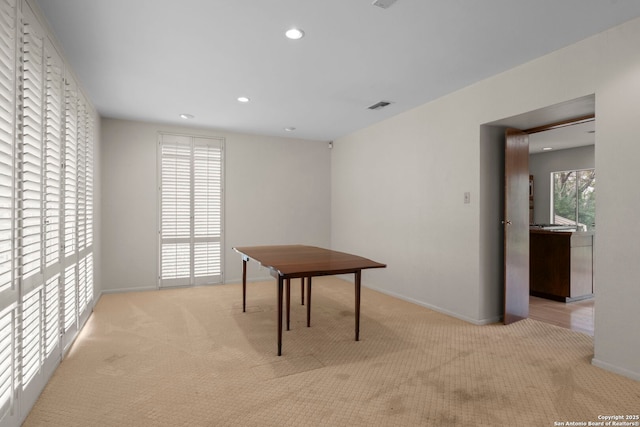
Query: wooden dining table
{"x": 286, "y": 262}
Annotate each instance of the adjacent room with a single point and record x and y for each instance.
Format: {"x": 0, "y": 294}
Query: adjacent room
{"x": 428, "y": 168}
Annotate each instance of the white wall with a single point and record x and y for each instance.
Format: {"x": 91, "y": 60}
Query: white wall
{"x": 541, "y": 165}
{"x": 397, "y": 189}
{"x": 277, "y": 191}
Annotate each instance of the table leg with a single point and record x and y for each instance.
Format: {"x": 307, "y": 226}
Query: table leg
{"x": 302, "y": 291}
{"x": 288, "y": 291}
{"x": 308, "y": 301}
{"x": 280, "y": 284}
{"x": 244, "y": 285}
{"x": 357, "y": 286}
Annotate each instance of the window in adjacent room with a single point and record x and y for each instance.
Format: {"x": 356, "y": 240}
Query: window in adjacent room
{"x": 574, "y": 198}
{"x": 190, "y": 210}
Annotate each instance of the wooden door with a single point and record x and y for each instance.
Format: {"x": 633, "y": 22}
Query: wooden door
{"x": 516, "y": 226}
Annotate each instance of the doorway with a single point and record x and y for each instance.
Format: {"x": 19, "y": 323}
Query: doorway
{"x": 492, "y": 185}
{"x": 562, "y": 161}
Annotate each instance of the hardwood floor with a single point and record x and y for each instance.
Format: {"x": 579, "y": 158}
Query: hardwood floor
{"x": 577, "y": 316}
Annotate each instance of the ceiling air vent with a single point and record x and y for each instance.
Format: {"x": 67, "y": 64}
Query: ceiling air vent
{"x": 383, "y": 3}
{"x": 379, "y": 105}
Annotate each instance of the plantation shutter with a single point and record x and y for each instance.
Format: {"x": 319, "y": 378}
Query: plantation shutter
{"x": 53, "y": 107}
{"x": 7, "y": 377}
{"x": 81, "y": 177}
{"x": 8, "y": 288}
{"x": 31, "y": 335}
{"x": 70, "y": 297}
{"x": 46, "y": 210}
{"x": 207, "y": 210}
{"x": 70, "y": 214}
{"x": 70, "y": 169}
{"x": 52, "y": 314}
{"x": 30, "y": 210}
{"x": 88, "y": 282}
{"x": 190, "y": 210}
{"x": 175, "y": 211}
{"x": 31, "y": 214}
{"x": 82, "y": 282}
{"x": 53, "y": 151}
{"x": 89, "y": 182}
{"x": 7, "y": 141}
{"x": 86, "y": 270}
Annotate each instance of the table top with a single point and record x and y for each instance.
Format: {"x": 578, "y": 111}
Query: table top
{"x": 290, "y": 261}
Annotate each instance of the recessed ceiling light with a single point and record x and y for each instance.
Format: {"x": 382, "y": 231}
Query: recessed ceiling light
{"x": 290, "y": 129}
{"x": 186, "y": 116}
{"x": 547, "y": 148}
{"x": 243, "y": 99}
{"x": 383, "y": 3}
{"x": 294, "y": 34}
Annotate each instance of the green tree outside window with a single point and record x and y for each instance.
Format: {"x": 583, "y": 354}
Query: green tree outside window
{"x": 574, "y": 198}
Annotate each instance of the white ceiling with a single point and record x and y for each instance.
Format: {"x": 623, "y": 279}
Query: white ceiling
{"x": 562, "y": 138}
{"x": 152, "y": 60}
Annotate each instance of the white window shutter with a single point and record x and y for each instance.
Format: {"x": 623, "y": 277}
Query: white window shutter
{"x": 175, "y": 208}
{"x": 7, "y": 360}
{"x": 51, "y": 314}
{"x": 190, "y": 210}
{"x": 70, "y": 297}
{"x": 88, "y": 285}
{"x": 52, "y": 152}
{"x": 8, "y": 192}
{"x": 31, "y": 335}
{"x": 46, "y": 210}
{"x": 207, "y": 208}
{"x": 89, "y": 182}
{"x": 81, "y": 177}
{"x": 8, "y": 35}
{"x": 70, "y": 169}
{"x": 30, "y": 208}
{"x": 82, "y": 282}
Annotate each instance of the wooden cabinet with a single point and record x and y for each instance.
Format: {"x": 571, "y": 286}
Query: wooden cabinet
{"x": 561, "y": 264}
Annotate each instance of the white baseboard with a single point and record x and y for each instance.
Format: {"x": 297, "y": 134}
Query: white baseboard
{"x": 616, "y": 369}
{"x": 436, "y": 308}
{"x": 124, "y": 290}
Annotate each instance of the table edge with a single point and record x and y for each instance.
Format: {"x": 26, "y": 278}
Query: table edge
{"x": 313, "y": 273}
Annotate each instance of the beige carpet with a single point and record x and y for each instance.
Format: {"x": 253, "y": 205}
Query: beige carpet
{"x": 190, "y": 357}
